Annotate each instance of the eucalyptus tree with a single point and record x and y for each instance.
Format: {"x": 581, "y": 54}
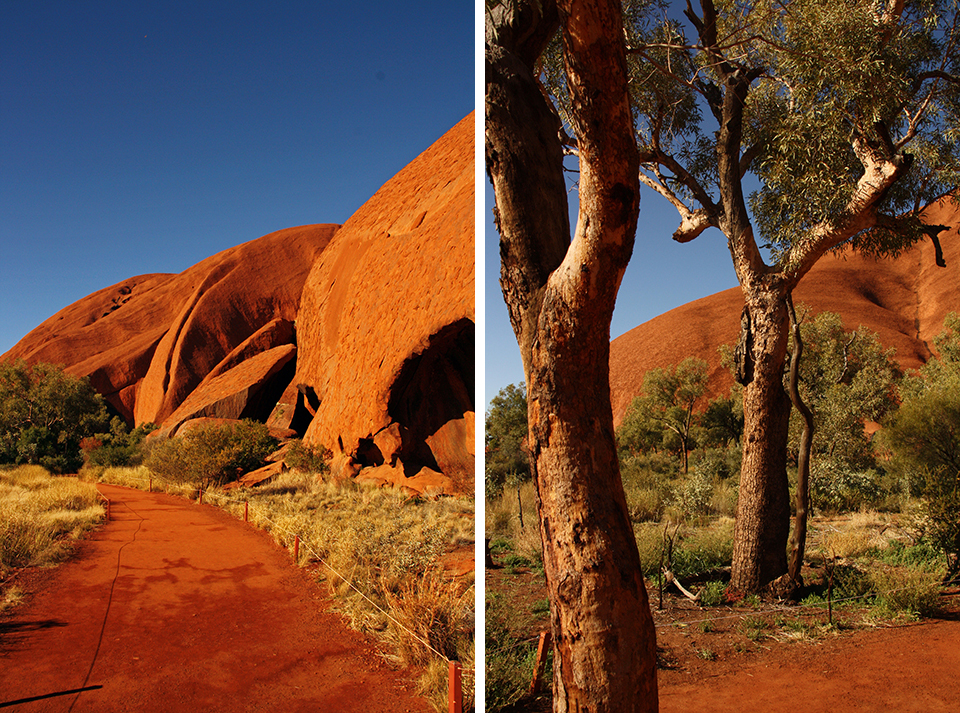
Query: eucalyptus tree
{"x": 666, "y": 404}
{"x": 560, "y": 292}
{"x": 843, "y": 118}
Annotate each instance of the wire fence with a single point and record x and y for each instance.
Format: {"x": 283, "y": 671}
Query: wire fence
{"x": 461, "y": 681}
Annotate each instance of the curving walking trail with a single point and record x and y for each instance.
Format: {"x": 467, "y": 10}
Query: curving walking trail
{"x": 173, "y": 606}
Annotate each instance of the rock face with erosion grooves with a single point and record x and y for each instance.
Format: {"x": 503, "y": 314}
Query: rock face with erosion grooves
{"x": 149, "y": 342}
{"x": 386, "y": 325}
{"x": 903, "y": 300}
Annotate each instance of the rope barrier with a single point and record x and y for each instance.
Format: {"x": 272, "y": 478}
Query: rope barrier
{"x": 302, "y": 542}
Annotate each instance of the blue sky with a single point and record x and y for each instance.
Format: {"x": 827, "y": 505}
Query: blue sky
{"x": 140, "y": 137}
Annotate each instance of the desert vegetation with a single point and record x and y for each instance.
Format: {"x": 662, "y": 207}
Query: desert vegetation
{"x": 44, "y": 415}
{"x": 40, "y": 517}
{"x": 882, "y": 542}
{"x": 382, "y": 553}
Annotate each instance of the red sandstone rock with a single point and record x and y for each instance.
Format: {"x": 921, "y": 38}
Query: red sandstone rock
{"x": 241, "y": 392}
{"x": 904, "y": 301}
{"x": 147, "y": 342}
{"x": 386, "y": 324}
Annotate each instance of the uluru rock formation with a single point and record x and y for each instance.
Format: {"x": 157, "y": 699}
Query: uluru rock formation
{"x": 381, "y": 344}
{"x": 148, "y": 342}
{"x": 386, "y": 324}
{"x": 903, "y": 300}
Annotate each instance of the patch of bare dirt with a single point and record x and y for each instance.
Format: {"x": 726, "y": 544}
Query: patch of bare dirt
{"x": 768, "y": 658}
{"x": 173, "y": 607}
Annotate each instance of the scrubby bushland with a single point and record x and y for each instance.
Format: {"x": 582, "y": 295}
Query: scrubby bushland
{"x": 44, "y": 414}
{"x": 212, "y": 454}
{"x": 923, "y": 440}
{"x": 307, "y": 459}
{"x": 119, "y": 447}
{"x": 41, "y": 514}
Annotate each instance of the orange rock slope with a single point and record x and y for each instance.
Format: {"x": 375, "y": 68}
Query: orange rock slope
{"x": 148, "y": 342}
{"x": 382, "y": 346}
{"x": 386, "y": 326}
{"x": 904, "y": 301}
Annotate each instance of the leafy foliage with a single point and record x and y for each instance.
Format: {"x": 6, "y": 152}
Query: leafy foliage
{"x": 846, "y": 378}
{"x": 44, "y": 414}
{"x": 923, "y": 438}
{"x": 663, "y": 414}
{"x": 212, "y": 454}
{"x": 308, "y": 459}
{"x": 120, "y": 447}
{"x": 505, "y": 438}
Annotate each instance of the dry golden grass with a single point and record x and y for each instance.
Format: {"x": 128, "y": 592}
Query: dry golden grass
{"x": 40, "y": 515}
{"x": 853, "y": 535}
{"x": 503, "y": 520}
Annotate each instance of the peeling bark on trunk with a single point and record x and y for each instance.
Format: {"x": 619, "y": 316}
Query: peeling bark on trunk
{"x": 763, "y": 506}
{"x": 560, "y": 295}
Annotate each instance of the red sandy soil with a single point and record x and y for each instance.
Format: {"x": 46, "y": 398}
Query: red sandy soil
{"x": 173, "y": 606}
{"x": 910, "y": 668}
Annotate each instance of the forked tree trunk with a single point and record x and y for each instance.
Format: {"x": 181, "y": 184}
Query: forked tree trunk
{"x": 560, "y": 295}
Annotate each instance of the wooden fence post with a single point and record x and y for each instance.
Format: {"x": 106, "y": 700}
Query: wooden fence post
{"x": 455, "y": 689}
{"x": 296, "y": 550}
{"x": 246, "y": 511}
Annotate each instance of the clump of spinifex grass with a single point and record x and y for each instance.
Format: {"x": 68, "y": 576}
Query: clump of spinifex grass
{"x": 41, "y": 514}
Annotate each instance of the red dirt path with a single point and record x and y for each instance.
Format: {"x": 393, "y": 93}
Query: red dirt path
{"x": 173, "y": 607}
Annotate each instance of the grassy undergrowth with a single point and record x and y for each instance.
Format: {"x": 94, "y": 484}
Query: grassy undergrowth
{"x": 381, "y": 552}
{"x": 862, "y": 569}
{"x": 40, "y": 516}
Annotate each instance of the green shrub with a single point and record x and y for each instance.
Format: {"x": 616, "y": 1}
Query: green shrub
{"x": 44, "y": 414}
{"x": 212, "y": 454}
{"x": 712, "y": 593}
{"x": 835, "y": 487}
{"x": 120, "y": 448}
{"x": 904, "y": 590}
{"x": 308, "y": 459}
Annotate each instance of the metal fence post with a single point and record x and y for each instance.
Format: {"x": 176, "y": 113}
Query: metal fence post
{"x": 542, "y": 647}
{"x": 455, "y": 689}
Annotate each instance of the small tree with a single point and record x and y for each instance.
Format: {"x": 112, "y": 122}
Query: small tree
{"x": 923, "y": 438}
{"x": 212, "y": 454}
{"x": 666, "y": 403}
{"x": 505, "y": 438}
{"x": 45, "y": 413}
{"x": 847, "y": 378}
